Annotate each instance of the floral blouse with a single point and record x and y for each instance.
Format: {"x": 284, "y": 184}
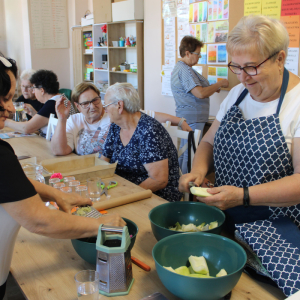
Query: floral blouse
{"x": 149, "y": 143}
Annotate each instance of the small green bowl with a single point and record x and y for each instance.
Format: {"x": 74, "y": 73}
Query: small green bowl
{"x": 219, "y": 252}
{"x": 86, "y": 248}
{"x": 165, "y": 215}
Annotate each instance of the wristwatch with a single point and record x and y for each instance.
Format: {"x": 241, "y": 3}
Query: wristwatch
{"x": 181, "y": 121}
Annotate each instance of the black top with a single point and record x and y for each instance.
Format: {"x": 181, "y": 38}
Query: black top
{"x": 37, "y": 105}
{"x": 14, "y": 185}
{"x": 48, "y": 108}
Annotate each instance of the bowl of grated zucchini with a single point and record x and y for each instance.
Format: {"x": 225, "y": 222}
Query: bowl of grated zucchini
{"x": 180, "y": 217}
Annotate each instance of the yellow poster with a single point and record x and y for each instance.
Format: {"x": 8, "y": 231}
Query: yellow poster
{"x": 198, "y": 32}
{"x": 212, "y": 71}
{"x": 191, "y": 14}
{"x": 252, "y": 7}
{"x": 271, "y": 8}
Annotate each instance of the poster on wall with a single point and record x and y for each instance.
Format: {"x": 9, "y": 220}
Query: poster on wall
{"x": 216, "y": 74}
{"x": 169, "y": 9}
{"x": 292, "y": 60}
{"x": 169, "y": 41}
{"x": 217, "y": 54}
{"x": 166, "y": 81}
{"x": 182, "y": 21}
{"x": 252, "y": 7}
{"x": 49, "y": 24}
{"x": 217, "y": 10}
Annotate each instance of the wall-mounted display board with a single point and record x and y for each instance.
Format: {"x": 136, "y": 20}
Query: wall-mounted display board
{"x": 211, "y": 21}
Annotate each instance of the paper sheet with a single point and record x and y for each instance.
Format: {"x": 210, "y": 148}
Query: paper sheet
{"x": 252, "y": 7}
{"x": 292, "y": 25}
{"x": 166, "y": 80}
{"x": 290, "y": 7}
{"x": 271, "y": 8}
{"x": 292, "y": 60}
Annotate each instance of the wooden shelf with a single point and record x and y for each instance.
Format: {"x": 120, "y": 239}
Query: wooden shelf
{"x": 100, "y": 47}
{"x": 110, "y": 47}
{"x": 121, "y": 72}
{"x": 87, "y": 53}
{"x": 101, "y": 70}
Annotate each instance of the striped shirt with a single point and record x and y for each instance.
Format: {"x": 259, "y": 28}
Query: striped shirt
{"x": 184, "y": 78}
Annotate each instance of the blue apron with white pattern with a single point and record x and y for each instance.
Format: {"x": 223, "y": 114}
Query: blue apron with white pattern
{"x": 252, "y": 152}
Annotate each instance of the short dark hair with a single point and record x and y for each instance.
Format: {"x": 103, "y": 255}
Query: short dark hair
{"x": 47, "y": 80}
{"x": 5, "y": 83}
{"x": 189, "y": 43}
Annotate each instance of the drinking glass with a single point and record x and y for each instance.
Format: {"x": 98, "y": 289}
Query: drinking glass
{"x": 87, "y": 283}
{"x": 67, "y": 179}
{"x": 19, "y": 107}
{"x": 66, "y": 189}
{"x": 59, "y": 185}
{"x": 52, "y": 181}
{"x": 82, "y": 190}
{"x": 94, "y": 188}
{"x": 73, "y": 184}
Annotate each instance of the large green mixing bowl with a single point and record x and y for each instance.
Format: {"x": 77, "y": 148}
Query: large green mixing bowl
{"x": 219, "y": 252}
{"x": 86, "y": 248}
{"x": 165, "y": 215}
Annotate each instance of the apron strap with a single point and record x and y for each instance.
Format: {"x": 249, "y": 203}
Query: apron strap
{"x": 241, "y": 97}
{"x": 285, "y": 82}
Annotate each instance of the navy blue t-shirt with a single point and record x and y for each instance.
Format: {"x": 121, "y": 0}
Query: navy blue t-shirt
{"x": 149, "y": 143}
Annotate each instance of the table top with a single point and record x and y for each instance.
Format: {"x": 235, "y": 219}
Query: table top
{"x": 45, "y": 268}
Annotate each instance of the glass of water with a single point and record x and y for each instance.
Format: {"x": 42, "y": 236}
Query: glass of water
{"x": 87, "y": 283}
{"x": 19, "y": 107}
{"x": 94, "y": 188}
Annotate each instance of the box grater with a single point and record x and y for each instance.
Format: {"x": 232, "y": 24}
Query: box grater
{"x": 114, "y": 261}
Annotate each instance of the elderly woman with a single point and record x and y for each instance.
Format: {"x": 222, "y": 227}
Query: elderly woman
{"x": 46, "y": 90}
{"x": 23, "y": 206}
{"x": 144, "y": 150}
{"x": 254, "y": 143}
{"x": 28, "y": 96}
{"x": 191, "y": 90}
{"x": 86, "y": 131}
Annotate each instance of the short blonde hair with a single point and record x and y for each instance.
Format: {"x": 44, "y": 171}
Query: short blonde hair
{"x": 127, "y": 93}
{"x": 81, "y": 88}
{"x": 258, "y": 33}
{"x": 26, "y": 74}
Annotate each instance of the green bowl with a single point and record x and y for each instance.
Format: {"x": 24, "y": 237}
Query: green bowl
{"x": 219, "y": 252}
{"x": 86, "y": 248}
{"x": 165, "y": 215}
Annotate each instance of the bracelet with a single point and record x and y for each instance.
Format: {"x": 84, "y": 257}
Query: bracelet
{"x": 181, "y": 121}
{"x": 246, "y": 198}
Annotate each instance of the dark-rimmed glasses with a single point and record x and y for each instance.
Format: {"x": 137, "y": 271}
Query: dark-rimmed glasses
{"x": 36, "y": 87}
{"x": 87, "y": 104}
{"x": 249, "y": 70}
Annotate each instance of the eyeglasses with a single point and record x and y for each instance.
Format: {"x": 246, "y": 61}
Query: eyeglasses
{"x": 87, "y": 104}
{"x": 199, "y": 54}
{"x": 250, "y": 70}
{"x": 25, "y": 87}
{"x": 104, "y": 106}
{"x": 36, "y": 87}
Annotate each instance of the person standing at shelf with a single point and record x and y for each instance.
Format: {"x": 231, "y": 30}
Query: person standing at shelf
{"x": 191, "y": 90}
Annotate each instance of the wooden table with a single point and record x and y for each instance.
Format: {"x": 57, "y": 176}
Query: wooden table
{"x": 45, "y": 268}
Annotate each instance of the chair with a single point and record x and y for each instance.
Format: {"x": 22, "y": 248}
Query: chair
{"x": 179, "y": 134}
{"x": 67, "y": 92}
{"x": 51, "y": 126}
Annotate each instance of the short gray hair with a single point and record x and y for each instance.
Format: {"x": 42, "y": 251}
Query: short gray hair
{"x": 26, "y": 74}
{"x": 127, "y": 93}
{"x": 258, "y": 33}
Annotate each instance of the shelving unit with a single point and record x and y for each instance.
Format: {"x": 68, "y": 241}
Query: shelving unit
{"x": 118, "y": 55}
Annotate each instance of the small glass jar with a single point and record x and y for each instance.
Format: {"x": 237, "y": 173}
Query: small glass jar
{"x": 67, "y": 179}
{"x": 73, "y": 184}
{"x": 52, "y": 181}
{"x": 59, "y": 185}
{"x": 82, "y": 190}
{"x": 66, "y": 189}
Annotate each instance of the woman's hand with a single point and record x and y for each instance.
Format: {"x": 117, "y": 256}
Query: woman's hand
{"x": 185, "y": 126}
{"x": 67, "y": 201}
{"x": 189, "y": 177}
{"x": 223, "y": 197}
{"x": 62, "y": 111}
{"x": 29, "y": 109}
{"x": 224, "y": 83}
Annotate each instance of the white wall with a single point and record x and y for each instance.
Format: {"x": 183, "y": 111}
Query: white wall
{"x": 3, "y": 45}
{"x": 152, "y": 64}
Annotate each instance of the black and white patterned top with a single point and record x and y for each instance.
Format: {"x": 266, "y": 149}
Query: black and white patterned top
{"x": 149, "y": 143}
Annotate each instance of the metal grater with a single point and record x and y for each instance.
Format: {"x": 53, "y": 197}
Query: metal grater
{"x": 94, "y": 213}
{"x": 114, "y": 261}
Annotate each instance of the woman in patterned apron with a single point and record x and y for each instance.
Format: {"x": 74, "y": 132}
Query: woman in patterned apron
{"x": 254, "y": 147}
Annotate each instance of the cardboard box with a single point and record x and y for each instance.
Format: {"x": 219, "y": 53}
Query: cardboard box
{"x": 128, "y": 10}
{"x": 82, "y": 167}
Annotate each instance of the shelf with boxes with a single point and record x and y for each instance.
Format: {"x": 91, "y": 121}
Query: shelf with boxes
{"x": 114, "y": 62}
{"x": 88, "y": 65}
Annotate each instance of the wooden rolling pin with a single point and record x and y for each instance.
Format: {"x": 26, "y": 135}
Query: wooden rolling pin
{"x": 102, "y": 205}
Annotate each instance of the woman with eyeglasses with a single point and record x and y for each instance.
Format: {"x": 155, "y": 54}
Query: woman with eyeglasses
{"x": 86, "y": 131}
{"x": 28, "y": 96}
{"x": 254, "y": 143}
{"x": 191, "y": 90}
{"x": 22, "y": 199}
{"x": 45, "y": 87}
